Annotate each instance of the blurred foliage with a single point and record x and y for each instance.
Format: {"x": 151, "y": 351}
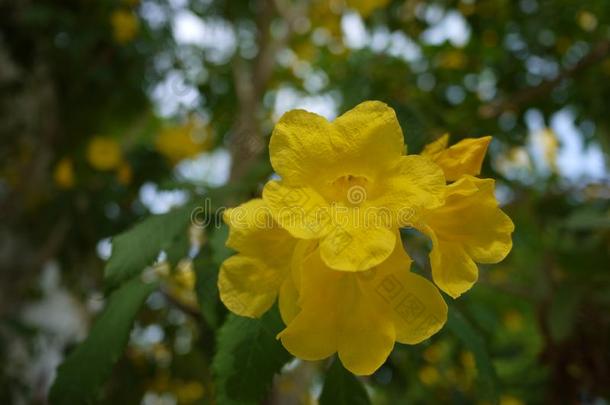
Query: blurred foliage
{"x": 115, "y": 110}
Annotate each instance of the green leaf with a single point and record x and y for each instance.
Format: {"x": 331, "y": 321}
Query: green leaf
{"x": 134, "y": 250}
{"x": 179, "y": 248}
{"x": 248, "y": 356}
{"x": 207, "y": 265}
{"x": 220, "y": 252}
{"x": 342, "y": 388}
{"x": 86, "y": 368}
{"x": 206, "y": 288}
{"x": 486, "y": 373}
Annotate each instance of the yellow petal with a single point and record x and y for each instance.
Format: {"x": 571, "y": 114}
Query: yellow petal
{"x": 469, "y": 228}
{"x": 415, "y": 182}
{"x": 465, "y": 157}
{"x": 356, "y": 242}
{"x": 303, "y": 146}
{"x": 312, "y": 334}
{"x": 367, "y": 334}
{"x": 491, "y": 243}
{"x": 336, "y": 316}
{"x": 299, "y": 210}
{"x": 249, "y": 281}
{"x": 453, "y": 270}
{"x": 307, "y": 149}
{"x": 248, "y": 287}
{"x": 415, "y": 304}
{"x": 288, "y": 300}
{"x": 374, "y": 135}
{"x": 253, "y": 232}
{"x": 303, "y": 249}
{"x": 433, "y": 149}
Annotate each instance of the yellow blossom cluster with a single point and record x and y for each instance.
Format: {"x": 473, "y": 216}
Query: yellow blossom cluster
{"x": 104, "y": 154}
{"x": 183, "y": 141}
{"x": 125, "y": 25}
{"x": 324, "y": 240}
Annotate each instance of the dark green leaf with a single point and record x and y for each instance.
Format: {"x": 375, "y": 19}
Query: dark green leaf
{"x": 342, "y": 388}
{"x": 137, "y": 248}
{"x": 86, "y": 368}
{"x": 248, "y": 356}
{"x": 207, "y": 265}
{"x": 179, "y": 248}
{"x": 472, "y": 340}
{"x": 217, "y": 244}
{"x": 206, "y": 288}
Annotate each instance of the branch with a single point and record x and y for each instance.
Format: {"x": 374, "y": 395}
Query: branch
{"x": 528, "y": 94}
{"x": 251, "y": 81}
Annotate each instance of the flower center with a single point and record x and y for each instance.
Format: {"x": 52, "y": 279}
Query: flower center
{"x": 350, "y": 189}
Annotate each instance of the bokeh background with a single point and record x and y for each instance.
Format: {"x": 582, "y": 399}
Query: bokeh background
{"x": 114, "y": 110}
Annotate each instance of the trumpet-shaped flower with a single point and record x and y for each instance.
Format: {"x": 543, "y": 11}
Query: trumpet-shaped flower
{"x": 359, "y": 315}
{"x": 465, "y": 157}
{"x": 469, "y": 228}
{"x": 324, "y": 239}
{"x": 348, "y": 183}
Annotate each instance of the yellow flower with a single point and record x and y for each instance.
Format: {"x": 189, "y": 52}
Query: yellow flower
{"x": 324, "y": 240}
{"x": 189, "y": 392}
{"x": 513, "y": 321}
{"x": 434, "y": 353}
{"x": 64, "y": 173}
{"x": 348, "y": 183}
{"x": 429, "y": 375}
{"x": 184, "y": 276}
{"x": 469, "y": 228}
{"x": 587, "y": 20}
{"x": 468, "y": 361}
{"x": 124, "y": 174}
{"x": 453, "y": 59}
{"x": 358, "y": 315}
{"x": 327, "y": 15}
{"x": 125, "y": 26}
{"x": 465, "y": 157}
{"x": 179, "y": 284}
{"x": 182, "y": 142}
{"x": 510, "y": 400}
{"x": 104, "y": 153}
